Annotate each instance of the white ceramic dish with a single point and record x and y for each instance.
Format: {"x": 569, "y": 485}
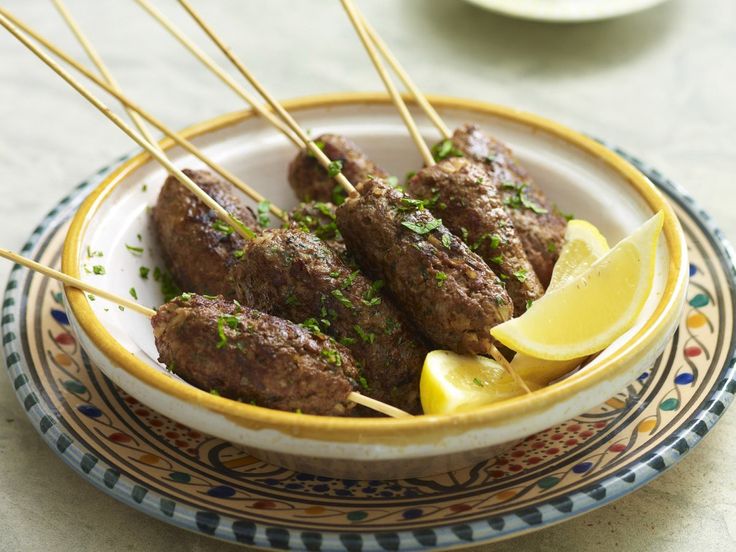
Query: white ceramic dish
{"x": 578, "y": 174}
{"x": 566, "y": 11}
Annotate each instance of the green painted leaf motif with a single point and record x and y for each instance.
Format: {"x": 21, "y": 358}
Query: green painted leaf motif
{"x": 548, "y": 482}
{"x": 700, "y": 300}
{"x": 669, "y": 404}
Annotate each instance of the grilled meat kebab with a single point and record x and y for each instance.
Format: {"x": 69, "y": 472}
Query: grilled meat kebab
{"x": 198, "y": 248}
{"x": 540, "y": 226}
{"x": 451, "y": 294}
{"x": 243, "y": 354}
{"x": 462, "y": 193}
{"x": 311, "y": 182}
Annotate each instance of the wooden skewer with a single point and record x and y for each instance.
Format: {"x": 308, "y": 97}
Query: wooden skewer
{"x": 74, "y": 282}
{"x": 97, "y": 61}
{"x": 411, "y": 126}
{"x": 180, "y": 140}
{"x": 420, "y": 98}
{"x": 275, "y": 105}
{"x": 122, "y": 301}
{"x": 232, "y": 221}
{"x": 208, "y": 62}
{"x": 358, "y": 20}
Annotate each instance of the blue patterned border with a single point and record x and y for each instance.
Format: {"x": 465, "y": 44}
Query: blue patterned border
{"x": 244, "y": 531}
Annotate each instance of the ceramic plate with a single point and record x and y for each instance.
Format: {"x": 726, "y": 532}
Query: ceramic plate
{"x": 566, "y": 10}
{"x": 204, "y": 484}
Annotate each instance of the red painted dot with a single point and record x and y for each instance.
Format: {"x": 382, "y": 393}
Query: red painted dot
{"x": 497, "y": 473}
{"x": 538, "y": 445}
{"x": 556, "y": 437}
{"x": 195, "y": 434}
{"x": 192, "y": 451}
{"x": 693, "y": 351}
{"x": 64, "y": 339}
{"x": 501, "y": 461}
{"x": 120, "y": 437}
{"x": 600, "y": 425}
{"x": 585, "y": 434}
{"x": 130, "y": 400}
{"x": 264, "y": 505}
{"x": 180, "y": 426}
{"x": 172, "y": 434}
{"x": 142, "y": 412}
{"x": 460, "y": 507}
{"x": 534, "y": 460}
{"x": 156, "y": 423}
{"x": 571, "y": 442}
{"x": 518, "y": 453}
{"x": 181, "y": 444}
{"x": 574, "y": 427}
{"x": 552, "y": 450}
{"x": 618, "y": 447}
{"x": 515, "y": 467}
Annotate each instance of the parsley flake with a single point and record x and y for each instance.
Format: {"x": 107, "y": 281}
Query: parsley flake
{"x": 521, "y": 275}
{"x": 340, "y": 296}
{"x": 368, "y": 337}
{"x": 440, "y": 277}
{"x": 422, "y": 227}
{"x": 334, "y": 168}
{"x": 263, "y": 218}
{"x": 222, "y": 227}
{"x": 137, "y": 251}
{"x": 445, "y": 149}
{"x": 144, "y": 271}
{"x": 133, "y": 293}
{"x": 477, "y": 382}
{"x": 98, "y": 269}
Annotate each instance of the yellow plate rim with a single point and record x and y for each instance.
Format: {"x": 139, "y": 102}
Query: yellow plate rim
{"x": 377, "y": 429}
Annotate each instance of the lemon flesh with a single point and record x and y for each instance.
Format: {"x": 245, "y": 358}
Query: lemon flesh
{"x": 458, "y": 383}
{"x": 590, "y": 311}
{"x": 584, "y": 245}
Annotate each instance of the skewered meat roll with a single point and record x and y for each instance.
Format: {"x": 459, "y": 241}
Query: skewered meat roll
{"x": 451, "y": 294}
{"x": 463, "y": 195}
{"x": 294, "y": 275}
{"x": 198, "y": 248}
{"x": 538, "y": 223}
{"x": 311, "y": 182}
{"x": 246, "y": 355}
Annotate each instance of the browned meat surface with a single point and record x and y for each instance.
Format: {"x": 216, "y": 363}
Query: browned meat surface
{"x": 292, "y": 274}
{"x": 243, "y": 354}
{"x": 449, "y": 291}
{"x": 197, "y": 247}
{"x": 540, "y": 225}
{"x": 311, "y": 182}
{"x": 318, "y": 218}
{"x": 463, "y": 195}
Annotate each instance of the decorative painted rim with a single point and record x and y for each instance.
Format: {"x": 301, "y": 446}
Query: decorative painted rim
{"x": 628, "y": 477}
{"x": 385, "y": 430}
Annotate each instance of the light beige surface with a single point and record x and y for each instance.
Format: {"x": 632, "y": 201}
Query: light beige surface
{"x": 660, "y": 84}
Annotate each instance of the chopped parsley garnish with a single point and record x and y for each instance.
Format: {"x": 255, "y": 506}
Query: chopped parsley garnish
{"x": 263, "y": 218}
{"x": 292, "y": 300}
{"x": 392, "y": 325}
{"x": 169, "y": 289}
{"x": 480, "y": 181}
{"x": 312, "y": 325}
{"x": 134, "y": 250}
{"x": 529, "y": 204}
{"x": 332, "y": 356}
{"x": 185, "y": 296}
{"x": 347, "y": 282}
{"x": 529, "y": 304}
{"x": 567, "y": 216}
{"x": 226, "y": 320}
{"x": 298, "y": 411}
{"x": 363, "y": 383}
{"x": 334, "y": 168}
{"x": 464, "y": 233}
{"x": 411, "y": 204}
{"x": 144, "y": 187}
{"x": 144, "y": 271}
{"x": 91, "y": 297}
{"x": 91, "y": 253}
{"x": 551, "y": 247}
{"x": 98, "y": 269}
{"x": 422, "y": 227}
{"x": 334, "y": 274}
{"x": 493, "y": 239}
{"x": 446, "y": 240}
{"x": 392, "y": 181}
{"x": 369, "y": 297}
{"x": 238, "y": 254}
{"x": 338, "y": 195}
{"x": 368, "y": 337}
{"x": 121, "y": 308}
{"x": 340, "y": 296}
{"x": 445, "y": 149}
{"x": 477, "y": 382}
{"x": 215, "y": 392}
{"x": 490, "y": 159}
{"x": 498, "y": 259}
{"x": 222, "y": 227}
{"x": 133, "y": 293}
{"x": 520, "y": 199}
{"x": 409, "y": 176}
{"x": 440, "y": 277}
{"x": 346, "y": 341}
{"x": 521, "y": 275}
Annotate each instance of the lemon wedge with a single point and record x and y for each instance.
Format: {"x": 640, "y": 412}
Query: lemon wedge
{"x": 584, "y": 245}
{"x": 590, "y": 311}
{"x": 458, "y": 383}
